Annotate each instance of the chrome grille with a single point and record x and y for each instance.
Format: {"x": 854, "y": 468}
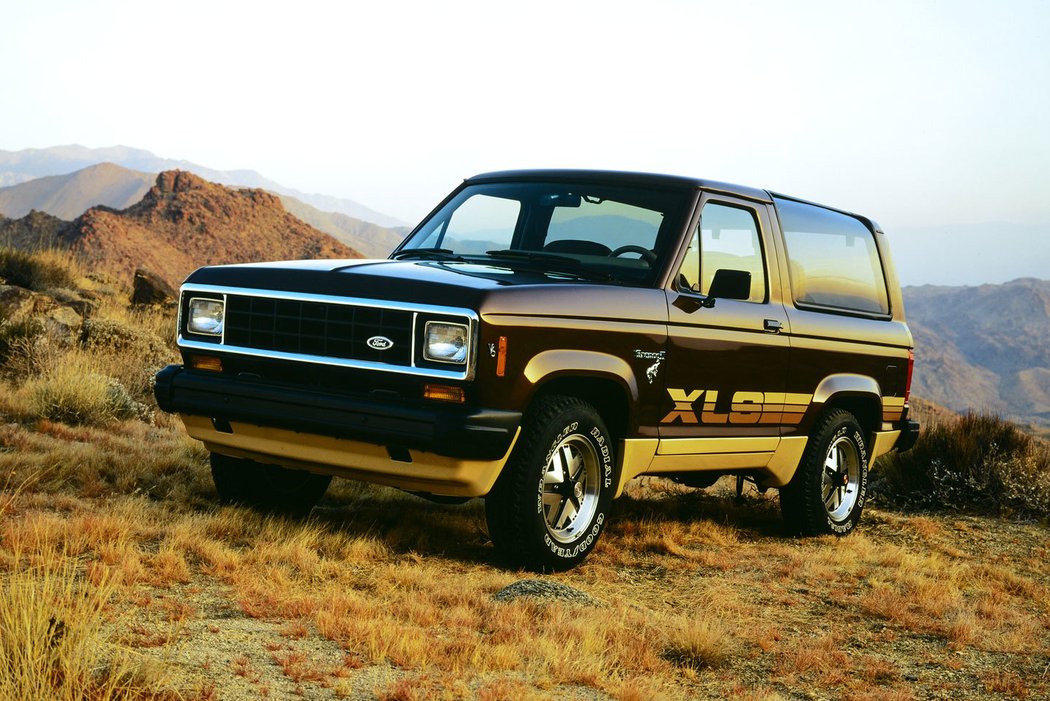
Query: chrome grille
{"x": 318, "y": 328}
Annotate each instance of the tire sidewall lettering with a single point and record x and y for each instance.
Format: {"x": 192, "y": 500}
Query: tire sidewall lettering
{"x": 583, "y": 543}
{"x": 857, "y": 438}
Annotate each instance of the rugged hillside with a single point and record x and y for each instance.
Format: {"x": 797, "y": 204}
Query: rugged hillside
{"x": 372, "y": 240}
{"x": 182, "y": 223}
{"x": 20, "y": 166}
{"x": 69, "y": 196}
{"x": 34, "y": 230}
{"x": 986, "y": 347}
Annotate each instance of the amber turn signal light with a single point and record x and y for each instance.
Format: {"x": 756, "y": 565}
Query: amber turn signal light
{"x": 501, "y": 357}
{"x": 206, "y": 362}
{"x": 444, "y": 393}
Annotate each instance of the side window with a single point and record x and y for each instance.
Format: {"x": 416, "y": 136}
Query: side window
{"x": 832, "y": 259}
{"x": 727, "y": 239}
{"x": 482, "y": 223}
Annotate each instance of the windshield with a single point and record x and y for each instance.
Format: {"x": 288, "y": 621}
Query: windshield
{"x": 619, "y": 234}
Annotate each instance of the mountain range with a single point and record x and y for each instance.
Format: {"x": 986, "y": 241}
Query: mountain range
{"x": 110, "y": 185}
{"x": 182, "y": 223}
{"x": 25, "y": 165}
{"x": 985, "y": 346}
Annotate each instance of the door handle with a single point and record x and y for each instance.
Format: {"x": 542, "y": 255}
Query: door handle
{"x": 773, "y": 325}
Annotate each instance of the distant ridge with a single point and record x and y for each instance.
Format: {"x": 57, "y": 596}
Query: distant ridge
{"x": 69, "y": 196}
{"x": 984, "y": 347}
{"x": 182, "y": 223}
{"x": 372, "y": 240}
{"x": 19, "y": 166}
{"x": 109, "y": 185}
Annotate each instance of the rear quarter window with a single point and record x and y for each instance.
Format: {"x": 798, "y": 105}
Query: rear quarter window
{"x": 833, "y": 261}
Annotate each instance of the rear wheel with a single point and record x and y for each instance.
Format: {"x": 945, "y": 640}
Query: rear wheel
{"x": 552, "y": 500}
{"x": 265, "y": 487}
{"x": 828, "y": 491}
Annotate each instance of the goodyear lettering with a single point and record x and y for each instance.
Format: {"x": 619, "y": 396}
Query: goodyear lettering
{"x": 701, "y": 406}
{"x": 581, "y": 546}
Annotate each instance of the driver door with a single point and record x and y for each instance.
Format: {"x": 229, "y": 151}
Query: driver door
{"x": 727, "y": 355}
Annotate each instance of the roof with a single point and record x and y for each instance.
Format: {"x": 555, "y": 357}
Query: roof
{"x": 616, "y": 177}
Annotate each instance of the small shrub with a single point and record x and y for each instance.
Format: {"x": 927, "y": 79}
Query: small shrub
{"x": 697, "y": 645}
{"x": 38, "y": 270}
{"x": 72, "y": 391}
{"x": 17, "y": 333}
{"x": 977, "y": 462}
{"x": 128, "y": 354}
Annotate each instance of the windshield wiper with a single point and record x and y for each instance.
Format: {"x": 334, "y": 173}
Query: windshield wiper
{"x": 428, "y": 253}
{"x": 550, "y": 261}
{"x": 534, "y": 256}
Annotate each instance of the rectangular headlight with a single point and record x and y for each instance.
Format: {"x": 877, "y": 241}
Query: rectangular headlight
{"x": 206, "y": 316}
{"x": 446, "y": 343}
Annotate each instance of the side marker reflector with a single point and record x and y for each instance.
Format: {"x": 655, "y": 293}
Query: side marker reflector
{"x": 501, "y": 357}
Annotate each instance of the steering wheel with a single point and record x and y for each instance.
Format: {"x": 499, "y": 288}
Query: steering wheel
{"x": 648, "y": 256}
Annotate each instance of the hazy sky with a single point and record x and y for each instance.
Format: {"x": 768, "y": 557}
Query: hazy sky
{"x": 916, "y": 113}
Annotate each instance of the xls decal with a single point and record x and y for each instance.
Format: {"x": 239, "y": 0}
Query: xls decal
{"x": 700, "y": 406}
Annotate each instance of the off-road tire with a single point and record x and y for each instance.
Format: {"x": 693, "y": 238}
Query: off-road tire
{"x": 829, "y": 488}
{"x": 268, "y": 488}
{"x": 556, "y": 431}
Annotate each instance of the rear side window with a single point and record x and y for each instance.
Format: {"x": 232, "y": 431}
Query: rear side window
{"x": 832, "y": 259}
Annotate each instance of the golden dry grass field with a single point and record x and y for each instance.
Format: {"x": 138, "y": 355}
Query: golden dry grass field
{"x": 122, "y": 578}
{"x": 382, "y": 595}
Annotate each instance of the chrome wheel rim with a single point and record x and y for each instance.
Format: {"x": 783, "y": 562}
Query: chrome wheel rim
{"x": 840, "y": 483}
{"x": 570, "y": 488}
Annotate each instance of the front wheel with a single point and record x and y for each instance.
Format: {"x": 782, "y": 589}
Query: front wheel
{"x": 268, "y": 488}
{"x": 828, "y": 491}
{"x": 552, "y": 500}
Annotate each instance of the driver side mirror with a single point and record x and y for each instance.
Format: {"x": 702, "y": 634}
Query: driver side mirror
{"x": 730, "y": 284}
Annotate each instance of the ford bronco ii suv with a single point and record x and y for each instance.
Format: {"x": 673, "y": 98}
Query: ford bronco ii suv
{"x": 544, "y": 337}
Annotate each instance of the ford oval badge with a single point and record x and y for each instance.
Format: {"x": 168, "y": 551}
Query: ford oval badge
{"x": 380, "y": 343}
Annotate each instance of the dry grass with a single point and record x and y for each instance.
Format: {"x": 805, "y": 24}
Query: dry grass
{"x": 401, "y": 585}
{"x": 39, "y": 270}
{"x": 52, "y": 644}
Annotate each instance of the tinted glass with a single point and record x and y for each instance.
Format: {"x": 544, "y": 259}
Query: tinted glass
{"x": 832, "y": 259}
{"x": 727, "y": 239}
{"x": 612, "y": 224}
{"x": 623, "y": 234}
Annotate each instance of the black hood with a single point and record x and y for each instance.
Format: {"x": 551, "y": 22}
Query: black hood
{"x": 429, "y": 282}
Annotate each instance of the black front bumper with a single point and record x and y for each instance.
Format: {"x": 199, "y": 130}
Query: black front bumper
{"x": 452, "y": 431}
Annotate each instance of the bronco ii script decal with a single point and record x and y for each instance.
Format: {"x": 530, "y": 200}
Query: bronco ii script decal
{"x": 651, "y": 371}
{"x": 701, "y": 406}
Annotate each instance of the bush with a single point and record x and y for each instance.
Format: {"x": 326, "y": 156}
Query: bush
{"x": 977, "y": 462}
{"x": 128, "y": 354}
{"x": 16, "y": 333}
{"x": 39, "y": 270}
{"x": 73, "y": 392}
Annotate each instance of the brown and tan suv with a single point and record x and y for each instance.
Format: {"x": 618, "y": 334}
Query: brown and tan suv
{"x": 542, "y": 338}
